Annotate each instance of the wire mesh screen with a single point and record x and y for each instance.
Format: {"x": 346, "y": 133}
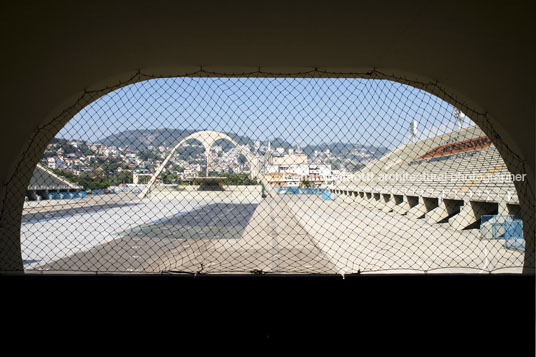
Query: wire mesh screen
{"x": 271, "y": 174}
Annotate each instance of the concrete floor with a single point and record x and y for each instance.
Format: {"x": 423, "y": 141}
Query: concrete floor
{"x": 361, "y": 239}
{"x": 273, "y": 242}
{"x": 305, "y": 234}
{"x": 285, "y": 234}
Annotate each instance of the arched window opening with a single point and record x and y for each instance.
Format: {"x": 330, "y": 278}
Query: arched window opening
{"x": 334, "y": 175}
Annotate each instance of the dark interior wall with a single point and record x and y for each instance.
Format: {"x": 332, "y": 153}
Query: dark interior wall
{"x": 52, "y": 51}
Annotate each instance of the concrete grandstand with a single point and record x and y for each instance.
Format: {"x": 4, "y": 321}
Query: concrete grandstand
{"x": 455, "y": 179}
{"x": 45, "y": 184}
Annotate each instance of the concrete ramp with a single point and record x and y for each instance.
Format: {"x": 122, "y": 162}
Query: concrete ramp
{"x": 273, "y": 242}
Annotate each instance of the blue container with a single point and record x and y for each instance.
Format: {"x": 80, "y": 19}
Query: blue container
{"x": 513, "y": 229}
{"x": 326, "y": 195}
{"x": 54, "y": 196}
{"x": 515, "y": 243}
{"x": 83, "y": 194}
{"x": 500, "y": 226}
{"x": 513, "y": 235}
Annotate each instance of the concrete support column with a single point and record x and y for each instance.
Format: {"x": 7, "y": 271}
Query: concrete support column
{"x": 470, "y": 214}
{"x": 366, "y": 201}
{"x": 370, "y": 200}
{"x": 510, "y": 209}
{"x": 402, "y": 204}
{"x": 444, "y": 209}
{"x": 346, "y": 196}
{"x": 437, "y": 214}
{"x": 360, "y": 197}
{"x": 377, "y": 200}
{"x": 418, "y": 208}
{"x": 389, "y": 202}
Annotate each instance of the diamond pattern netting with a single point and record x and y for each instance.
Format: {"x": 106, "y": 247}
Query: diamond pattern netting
{"x": 213, "y": 173}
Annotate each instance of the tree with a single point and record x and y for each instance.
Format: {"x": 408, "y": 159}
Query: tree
{"x": 170, "y": 178}
{"x": 147, "y": 155}
{"x": 237, "y": 179}
{"x": 96, "y": 182}
{"x": 122, "y": 177}
{"x": 176, "y": 168}
{"x": 306, "y": 183}
{"x": 66, "y": 147}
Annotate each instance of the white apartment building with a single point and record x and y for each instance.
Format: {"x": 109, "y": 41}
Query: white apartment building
{"x": 291, "y": 169}
{"x": 55, "y": 163}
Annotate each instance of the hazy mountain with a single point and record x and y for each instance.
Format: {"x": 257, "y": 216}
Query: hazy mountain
{"x": 142, "y": 139}
{"x": 349, "y": 151}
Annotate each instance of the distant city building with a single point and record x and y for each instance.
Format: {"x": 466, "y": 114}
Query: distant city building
{"x": 190, "y": 172}
{"x": 292, "y": 169}
{"x": 55, "y": 163}
{"x": 289, "y": 160}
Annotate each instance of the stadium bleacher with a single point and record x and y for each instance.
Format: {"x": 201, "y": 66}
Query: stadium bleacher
{"x": 46, "y": 185}
{"x": 453, "y": 178}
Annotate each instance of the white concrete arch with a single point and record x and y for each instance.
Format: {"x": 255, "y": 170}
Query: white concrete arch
{"x": 207, "y": 139}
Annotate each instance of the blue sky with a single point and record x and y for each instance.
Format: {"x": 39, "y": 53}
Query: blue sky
{"x": 314, "y": 111}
